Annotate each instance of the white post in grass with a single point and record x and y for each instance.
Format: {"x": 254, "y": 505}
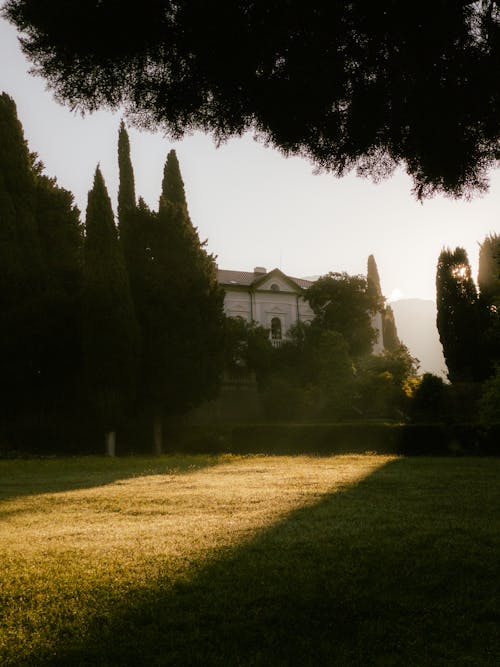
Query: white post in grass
{"x": 110, "y": 443}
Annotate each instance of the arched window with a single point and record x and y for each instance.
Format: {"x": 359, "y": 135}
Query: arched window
{"x": 275, "y": 287}
{"x": 276, "y": 328}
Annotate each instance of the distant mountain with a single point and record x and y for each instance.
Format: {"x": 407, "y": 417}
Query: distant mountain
{"x": 416, "y": 324}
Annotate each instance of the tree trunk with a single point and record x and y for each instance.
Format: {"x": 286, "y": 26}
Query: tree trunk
{"x": 110, "y": 443}
{"x": 158, "y": 435}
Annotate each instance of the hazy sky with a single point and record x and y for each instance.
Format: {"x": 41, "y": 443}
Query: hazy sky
{"x": 255, "y": 207}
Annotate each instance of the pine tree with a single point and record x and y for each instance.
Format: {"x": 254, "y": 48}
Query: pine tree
{"x": 110, "y": 334}
{"x": 459, "y": 317}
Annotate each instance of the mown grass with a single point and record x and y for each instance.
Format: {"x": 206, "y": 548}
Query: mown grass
{"x": 348, "y": 560}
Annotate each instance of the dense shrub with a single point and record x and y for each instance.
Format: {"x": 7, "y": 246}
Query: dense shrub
{"x": 433, "y": 439}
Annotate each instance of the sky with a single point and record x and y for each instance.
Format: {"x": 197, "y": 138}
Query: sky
{"x": 254, "y": 206}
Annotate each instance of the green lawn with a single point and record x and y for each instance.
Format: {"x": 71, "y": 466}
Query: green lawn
{"x": 347, "y": 560}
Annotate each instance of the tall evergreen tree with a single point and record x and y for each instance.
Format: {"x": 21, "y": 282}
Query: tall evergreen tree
{"x": 459, "y": 317}
{"x": 373, "y": 282}
{"x": 489, "y": 285}
{"x": 61, "y": 240}
{"x": 110, "y": 333}
{"x": 126, "y": 193}
{"x": 489, "y": 270}
{"x": 183, "y": 328}
{"x": 389, "y": 332}
{"x": 23, "y": 279}
{"x": 40, "y": 277}
{"x": 172, "y": 186}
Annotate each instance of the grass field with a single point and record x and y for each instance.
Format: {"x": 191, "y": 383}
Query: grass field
{"x": 347, "y": 560}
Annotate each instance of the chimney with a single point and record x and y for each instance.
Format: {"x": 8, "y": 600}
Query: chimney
{"x": 259, "y": 271}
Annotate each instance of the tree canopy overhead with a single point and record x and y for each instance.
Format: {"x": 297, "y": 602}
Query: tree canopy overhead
{"x": 360, "y": 84}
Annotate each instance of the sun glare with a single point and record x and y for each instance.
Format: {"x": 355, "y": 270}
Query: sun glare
{"x": 396, "y": 294}
{"x": 460, "y": 272}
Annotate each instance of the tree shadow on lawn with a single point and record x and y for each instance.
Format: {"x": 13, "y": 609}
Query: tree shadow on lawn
{"x": 21, "y": 477}
{"x": 400, "y": 569}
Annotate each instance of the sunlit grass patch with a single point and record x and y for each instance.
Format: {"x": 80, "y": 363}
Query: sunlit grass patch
{"x": 71, "y": 555}
{"x": 252, "y": 561}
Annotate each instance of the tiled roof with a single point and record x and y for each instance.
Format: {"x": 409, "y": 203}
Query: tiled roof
{"x": 235, "y": 277}
{"x": 302, "y": 282}
{"x": 246, "y": 278}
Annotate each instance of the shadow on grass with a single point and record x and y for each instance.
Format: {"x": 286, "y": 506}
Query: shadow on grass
{"x": 401, "y": 569}
{"x": 21, "y": 477}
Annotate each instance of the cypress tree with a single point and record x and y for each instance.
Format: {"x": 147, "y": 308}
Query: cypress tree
{"x": 172, "y": 186}
{"x": 23, "y": 279}
{"x": 390, "y": 339}
{"x": 126, "y": 193}
{"x": 489, "y": 285}
{"x": 110, "y": 335}
{"x": 16, "y": 169}
{"x": 183, "y": 358}
{"x": 61, "y": 240}
{"x": 389, "y": 330}
{"x": 459, "y": 317}
{"x": 373, "y": 281}
{"x": 40, "y": 280}
{"x": 489, "y": 270}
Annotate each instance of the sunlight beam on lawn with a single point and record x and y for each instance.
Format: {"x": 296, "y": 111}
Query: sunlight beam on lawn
{"x": 70, "y": 558}
{"x": 176, "y": 515}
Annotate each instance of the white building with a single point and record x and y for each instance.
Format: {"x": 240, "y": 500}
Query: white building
{"x": 271, "y": 299}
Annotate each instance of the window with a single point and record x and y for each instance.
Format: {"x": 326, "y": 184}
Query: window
{"x": 275, "y": 287}
{"x": 276, "y": 328}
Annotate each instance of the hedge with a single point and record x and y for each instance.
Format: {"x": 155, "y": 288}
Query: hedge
{"x": 358, "y": 437}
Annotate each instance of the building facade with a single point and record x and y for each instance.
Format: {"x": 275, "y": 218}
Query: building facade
{"x": 273, "y": 300}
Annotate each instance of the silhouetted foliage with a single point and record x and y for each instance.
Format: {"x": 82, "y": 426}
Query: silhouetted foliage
{"x": 489, "y": 299}
{"x": 468, "y": 323}
{"x": 390, "y": 336}
{"x": 489, "y": 270}
{"x": 343, "y": 304}
{"x": 61, "y": 242}
{"x": 374, "y": 288}
{"x": 311, "y": 376}
{"x": 40, "y": 289}
{"x": 489, "y": 401}
{"x": 348, "y": 85}
{"x": 382, "y": 383}
{"x": 23, "y": 279}
{"x": 390, "y": 339}
{"x": 126, "y": 194}
{"x": 458, "y": 317}
{"x": 109, "y": 325}
{"x": 428, "y": 400}
{"x": 182, "y": 313}
{"x": 247, "y": 348}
